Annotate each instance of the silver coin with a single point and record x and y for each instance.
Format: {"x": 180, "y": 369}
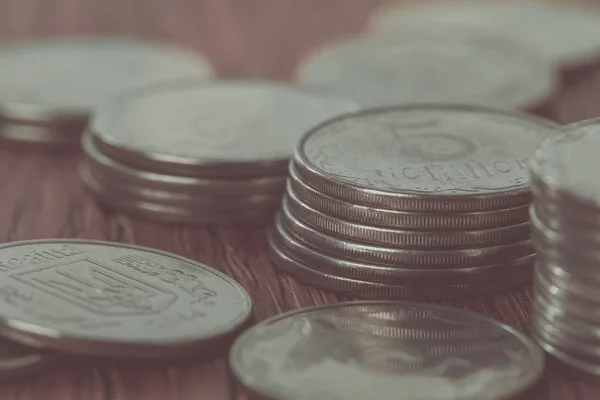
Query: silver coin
{"x": 17, "y": 361}
{"x": 308, "y": 354}
{"x": 63, "y": 133}
{"x": 108, "y": 299}
{"x": 364, "y": 289}
{"x": 400, "y": 275}
{"x": 99, "y": 183}
{"x": 561, "y": 33}
{"x": 165, "y": 213}
{"x": 70, "y": 76}
{"x": 127, "y": 175}
{"x": 409, "y": 161}
{"x": 394, "y": 256}
{"x": 403, "y": 238}
{"x": 401, "y": 219}
{"x": 479, "y": 69}
{"x": 221, "y": 129}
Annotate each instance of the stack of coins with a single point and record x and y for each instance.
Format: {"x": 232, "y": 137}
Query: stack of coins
{"x": 198, "y": 152}
{"x": 566, "y": 229}
{"x": 421, "y": 202}
{"x": 49, "y": 88}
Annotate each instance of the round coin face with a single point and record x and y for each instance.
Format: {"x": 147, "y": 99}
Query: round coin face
{"x": 568, "y": 164}
{"x": 107, "y": 299}
{"x": 71, "y": 76}
{"x": 435, "y": 152}
{"x": 442, "y": 67}
{"x": 383, "y": 350}
{"x": 211, "y": 126}
{"x": 562, "y": 33}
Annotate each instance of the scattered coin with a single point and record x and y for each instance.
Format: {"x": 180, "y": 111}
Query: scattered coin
{"x": 564, "y": 315}
{"x": 219, "y": 129}
{"x": 479, "y": 69}
{"x": 404, "y": 350}
{"x": 60, "y": 81}
{"x": 107, "y": 299}
{"x": 563, "y": 32}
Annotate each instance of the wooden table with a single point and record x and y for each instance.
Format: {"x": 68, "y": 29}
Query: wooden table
{"x": 41, "y": 195}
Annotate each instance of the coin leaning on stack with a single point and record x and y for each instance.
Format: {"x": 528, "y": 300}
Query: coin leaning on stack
{"x": 418, "y": 202}
{"x": 48, "y": 88}
{"x": 566, "y": 231}
{"x": 197, "y": 152}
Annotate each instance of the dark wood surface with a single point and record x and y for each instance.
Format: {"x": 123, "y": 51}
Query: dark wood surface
{"x": 41, "y": 195}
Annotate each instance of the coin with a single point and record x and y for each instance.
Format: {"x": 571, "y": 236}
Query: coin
{"x": 403, "y": 238}
{"x": 290, "y": 265}
{"x": 561, "y": 33}
{"x": 212, "y": 129}
{"x": 478, "y": 69}
{"x": 115, "y": 171}
{"x": 434, "y": 159}
{"x": 394, "y": 256}
{"x": 108, "y": 299}
{"x": 62, "y": 134}
{"x": 16, "y": 360}
{"x": 401, "y": 219}
{"x": 393, "y": 274}
{"x": 66, "y": 78}
{"x": 310, "y": 354}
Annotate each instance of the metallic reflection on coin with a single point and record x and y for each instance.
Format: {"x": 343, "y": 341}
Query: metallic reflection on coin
{"x": 331, "y": 352}
{"x": 561, "y": 33}
{"x": 107, "y": 299}
{"x": 219, "y": 129}
{"x": 424, "y": 158}
{"x": 479, "y": 69}
{"x": 17, "y": 361}
{"x": 566, "y": 235}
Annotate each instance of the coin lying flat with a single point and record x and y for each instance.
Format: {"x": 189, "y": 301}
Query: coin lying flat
{"x": 212, "y": 129}
{"x": 62, "y": 134}
{"x": 401, "y": 350}
{"x": 107, "y": 299}
{"x": 68, "y": 77}
{"x": 16, "y": 360}
{"x": 102, "y": 165}
{"x": 562, "y": 33}
{"x": 402, "y": 219}
{"x": 479, "y": 69}
{"x": 424, "y": 158}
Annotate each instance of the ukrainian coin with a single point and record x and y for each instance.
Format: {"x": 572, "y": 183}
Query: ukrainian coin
{"x": 394, "y": 256}
{"x": 311, "y": 354}
{"x": 126, "y": 175}
{"x": 434, "y": 159}
{"x": 403, "y": 238}
{"x": 168, "y": 198}
{"x": 68, "y": 77}
{"x": 220, "y": 129}
{"x": 107, "y": 299}
{"x": 395, "y": 274}
{"x": 290, "y": 265}
{"x": 165, "y": 213}
{"x": 16, "y": 360}
{"x": 402, "y": 219}
{"x": 478, "y": 69}
{"x": 561, "y": 33}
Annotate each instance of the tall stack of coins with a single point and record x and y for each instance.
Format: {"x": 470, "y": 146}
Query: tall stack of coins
{"x": 566, "y": 231}
{"x": 421, "y": 202}
{"x": 49, "y": 88}
{"x": 196, "y": 152}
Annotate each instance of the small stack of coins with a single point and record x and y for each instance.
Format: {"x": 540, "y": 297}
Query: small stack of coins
{"x": 418, "y": 202}
{"x": 197, "y": 152}
{"x": 566, "y": 230}
{"x": 48, "y": 88}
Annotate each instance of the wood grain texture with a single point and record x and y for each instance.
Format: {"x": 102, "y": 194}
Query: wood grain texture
{"x": 42, "y": 196}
